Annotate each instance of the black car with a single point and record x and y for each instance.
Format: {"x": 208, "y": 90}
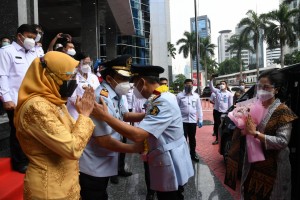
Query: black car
{"x": 206, "y": 92}
{"x": 293, "y": 101}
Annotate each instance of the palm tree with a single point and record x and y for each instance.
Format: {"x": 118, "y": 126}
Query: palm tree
{"x": 281, "y": 30}
{"x": 188, "y": 46}
{"x": 171, "y": 50}
{"x": 237, "y": 43}
{"x": 252, "y": 28}
{"x": 206, "y": 50}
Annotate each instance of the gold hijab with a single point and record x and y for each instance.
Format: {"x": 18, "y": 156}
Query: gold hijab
{"x": 43, "y": 81}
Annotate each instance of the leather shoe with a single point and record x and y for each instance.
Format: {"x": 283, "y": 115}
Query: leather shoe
{"x": 195, "y": 158}
{"x": 114, "y": 179}
{"x": 124, "y": 173}
{"x": 21, "y": 169}
{"x": 150, "y": 196}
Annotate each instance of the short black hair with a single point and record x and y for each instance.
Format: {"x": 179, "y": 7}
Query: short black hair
{"x": 64, "y": 43}
{"x": 106, "y": 72}
{"x": 26, "y": 28}
{"x": 188, "y": 80}
{"x": 81, "y": 55}
{"x": 163, "y": 79}
{"x": 5, "y": 37}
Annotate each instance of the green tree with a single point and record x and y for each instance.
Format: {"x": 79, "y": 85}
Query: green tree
{"x": 188, "y": 46}
{"x": 229, "y": 66}
{"x": 281, "y": 30}
{"x": 179, "y": 81}
{"x": 171, "y": 50}
{"x": 252, "y": 28}
{"x": 292, "y": 58}
{"x": 237, "y": 43}
{"x": 206, "y": 51}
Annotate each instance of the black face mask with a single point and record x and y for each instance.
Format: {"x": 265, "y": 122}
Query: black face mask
{"x": 67, "y": 88}
{"x": 187, "y": 89}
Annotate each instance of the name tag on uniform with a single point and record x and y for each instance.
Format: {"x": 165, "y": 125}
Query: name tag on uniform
{"x": 18, "y": 57}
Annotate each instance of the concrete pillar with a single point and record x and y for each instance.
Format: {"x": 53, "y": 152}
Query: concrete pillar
{"x": 111, "y": 43}
{"x": 89, "y": 31}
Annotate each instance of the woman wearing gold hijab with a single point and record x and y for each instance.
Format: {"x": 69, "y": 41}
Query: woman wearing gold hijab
{"x": 48, "y": 135}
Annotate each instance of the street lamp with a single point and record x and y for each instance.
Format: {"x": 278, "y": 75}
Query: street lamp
{"x": 197, "y": 47}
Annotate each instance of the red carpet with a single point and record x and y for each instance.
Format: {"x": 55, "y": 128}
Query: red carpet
{"x": 11, "y": 182}
{"x": 209, "y": 153}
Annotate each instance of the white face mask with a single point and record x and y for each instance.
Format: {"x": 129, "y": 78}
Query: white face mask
{"x": 85, "y": 69}
{"x": 28, "y": 43}
{"x": 38, "y": 37}
{"x": 242, "y": 87}
{"x": 222, "y": 87}
{"x": 264, "y": 95}
{"x": 71, "y": 52}
{"x": 122, "y": 88}
{"x": 138, "y": 93}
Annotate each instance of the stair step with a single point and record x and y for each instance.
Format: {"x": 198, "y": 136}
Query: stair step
{"x": 11, "y": 186}
{"x": 5, "y": 166}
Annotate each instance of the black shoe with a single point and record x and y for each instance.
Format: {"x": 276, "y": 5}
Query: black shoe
{"x": 124, "y": 173}
{"x": 150, "y": 196}
{"x": 114, "y": 179}
{"x": 21, "y": 169}
{"x": 215, "y": 142}
{"x": 195, "y": 158}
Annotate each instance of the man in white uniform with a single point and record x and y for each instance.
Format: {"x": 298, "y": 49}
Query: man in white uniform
{"x": 15, "y": 59}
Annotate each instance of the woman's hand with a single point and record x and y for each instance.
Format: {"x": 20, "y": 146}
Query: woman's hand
{"x": 85, "y": 104}
{"x": 100, "y": 111}
{"x": 250, "y": 128}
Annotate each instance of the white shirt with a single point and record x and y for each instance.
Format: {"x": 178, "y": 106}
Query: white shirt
{"x": 91, "y": 80}
{"x": 224, "y": 99}
{"x": 129, "y": 97}
{"x": 190, "y": 107}
{"x": 14, "y": 63}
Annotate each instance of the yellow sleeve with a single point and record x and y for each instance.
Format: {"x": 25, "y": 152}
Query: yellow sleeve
{"x": 54, "y": 128}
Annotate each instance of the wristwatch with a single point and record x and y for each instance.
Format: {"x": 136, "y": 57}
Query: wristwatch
{"x": 256, "y": 134}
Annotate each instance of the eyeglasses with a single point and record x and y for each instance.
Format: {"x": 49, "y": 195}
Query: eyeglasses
{"x": 264, "y": 87}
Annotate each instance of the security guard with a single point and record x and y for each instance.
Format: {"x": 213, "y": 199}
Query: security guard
{"x": 15, "y": 59}
{"x": 191, "y": 109}
{"x": 99, "y": 160}
{"x": 169, "y": 164}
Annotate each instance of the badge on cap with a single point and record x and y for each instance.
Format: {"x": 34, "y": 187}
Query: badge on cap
{"x": 104, "y": 92}
{"x": 154, "y": 111}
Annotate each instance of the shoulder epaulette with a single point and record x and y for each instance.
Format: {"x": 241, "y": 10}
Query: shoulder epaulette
{"x": 104, "y": 92}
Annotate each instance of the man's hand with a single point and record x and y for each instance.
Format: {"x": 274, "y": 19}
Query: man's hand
{"x": 100, "y": 110}
{"x": 9, "y": 105}
{"x": 200, "y": 124}
{"x": 85, "y": 104}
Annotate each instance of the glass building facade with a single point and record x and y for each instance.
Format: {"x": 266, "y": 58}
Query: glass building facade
{"x": 136, "y": 45}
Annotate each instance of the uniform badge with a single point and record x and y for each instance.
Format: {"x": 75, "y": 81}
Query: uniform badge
{"x": 154, "y": 110}
{"x": 104, "y": 92}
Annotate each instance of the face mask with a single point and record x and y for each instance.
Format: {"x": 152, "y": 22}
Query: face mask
{"x": 85, "y": 69}
{"x": 137, "y": 93}
{"x": 28, "y": 43}
{"x": 5, "y": 44}
{"x": 71, "y": 52}
{"x": 264, "y": 95}
{"x": 122, "y": 88}
{"x": 187, "y": 89}
{"x": 67, "y": 88}
{"x": 222, "y": 87}
{"x": 242, "y": 87}
{"x": 38, "y": 37}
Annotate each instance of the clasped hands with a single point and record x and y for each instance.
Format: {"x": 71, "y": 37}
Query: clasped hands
{"x": 250, "y": 126}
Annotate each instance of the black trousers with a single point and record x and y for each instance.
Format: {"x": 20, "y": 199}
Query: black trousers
{"x": 173, "y": 195}
{"x": 93, "y": 188}
{"x": 190, "y": 132}
{"x": 121, "y": 163}
{"x": 217, "y": 122}
{"x": 147, "y": 178}
{"x": 18, "y": 158}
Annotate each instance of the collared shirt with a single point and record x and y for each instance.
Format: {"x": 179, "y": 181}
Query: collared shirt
{"x": 97, "y": 161}
{"x": 224, "y": 99}
{"x": 164, "y": 124}
{"x": 190, "y": 107}
{"x": 129, "y": 97}
{"x": 91, "y": 80}
{"x": 14, "y": 63}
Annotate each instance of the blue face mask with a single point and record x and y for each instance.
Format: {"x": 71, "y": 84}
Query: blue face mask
{"x": 5, "y": 44}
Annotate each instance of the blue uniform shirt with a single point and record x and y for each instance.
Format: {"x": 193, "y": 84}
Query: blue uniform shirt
{"x": 95, "y": 160}
{"x": 169, "y": 159}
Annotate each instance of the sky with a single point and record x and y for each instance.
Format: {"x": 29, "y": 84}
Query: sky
{"x": 223, "y": 15}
